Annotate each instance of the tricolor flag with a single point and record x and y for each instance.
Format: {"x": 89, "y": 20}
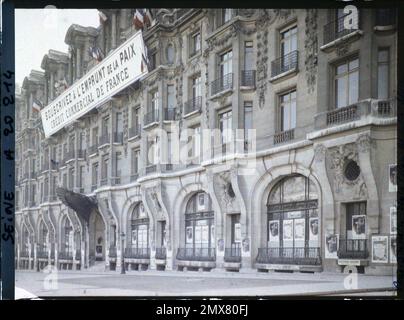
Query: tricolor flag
{"x": 36, "y": 105}
{"x": 103, "y": 17}
{"x": 96, "y": 53}
{"x": 138, "y": 20}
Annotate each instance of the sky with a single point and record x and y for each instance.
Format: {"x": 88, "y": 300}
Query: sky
{"x": 38, "y": 30}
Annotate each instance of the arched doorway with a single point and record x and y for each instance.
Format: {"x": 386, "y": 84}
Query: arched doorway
{"x": 97, "y": 235}
{"x": 292, "y": 225}
{"x": 139, "y": 234}
{"x": 199, "y": 230}
{"x": 43, "y": 241}
{"x": 67, "y": 238}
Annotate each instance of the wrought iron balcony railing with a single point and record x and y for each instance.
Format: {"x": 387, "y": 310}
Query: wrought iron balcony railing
{"x": 337, "y": 28}
{"x": 286, "y": 63}
{"x": 221, "y": 84}
{"x": 196, "y": 254}
{"x": 77, "y": 255}
{"x": 54, "y": 165}
{"x": 24, "y": 254}
{"x": 151, "y": 117}
{"x": 353, "y": 249}
{"x": 118, "y": 137}
{"x": 386, "y": 108}
{"x": 137, "y": 253}
{"x": 134, "y": 176}
{"x": 284, "y": 136}
{"x": 104, "y": 139}
{"x": 342, "y": 115}
{"x": 65, "y": 255}
{"x": 385, "y": 17}
{"x": 93, "y": 149}
{"x": 161, "y": 253}
{"x": 233, "y": 254}
{"x": 296, "y": 255}
{"x": 170, "y": 114}
{"x": 248, "y": 78}
{"x": 134, "y": 131}
{"x": 81, "y": 154}
{"x": 104, "y": 181}
{"x": 151, "y": 169}
{"x": 194, "y": 104}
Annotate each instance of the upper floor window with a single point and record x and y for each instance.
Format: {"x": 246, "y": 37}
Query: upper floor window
{"x": 170, "y": 96}
{"x": 288, "y": 40}
{"x": 225, "y": 63}
{"x": 347, "y": 83}
{"x": 94, "y": 177}
{"x": 135, "y": 161}
{"x": 135, "y": 117}
{"x": 119, "y": 122}
{"x": 287, "y": 106}
{"x": 153, "y": 60}
{"x": 225, "y": 127}
{"x": 95, "y": 136}
{"x": 118, "y": 163}
{"x": 105, "y": 125}
{"x": 383, "y": 73}
{"x": 225, "y": 16}
{"x": 196, "y": 87}
{"x": 248, "y": 56}
{"x": 154, "y": 101}
{"x": 195, "y": 44}
{"x": 248, "y": 122}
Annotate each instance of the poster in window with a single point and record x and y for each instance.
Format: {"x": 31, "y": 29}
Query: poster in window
{"x": 198, "y": 234}
{"x": 359, "y": 226}
{"x": 273, "y": 231}
{"x": 189, "y": 234}
{"x": 393, "y": 178}
{"x": 380, "y": 249}
{"x": 313, "y": 227}
{"x": 287, "y": 230}
{"x": 205, "y": 234}
{"x": 393, "y": 220}
{"x": 237, "y": 232}
{"x": 212, "y": 234}
{"x": 299, "y": 229}
{"x": 201, "y": 202}
{"x": 331, "y": 246}
{"x": 393, "y": 249}
{"x": 134, "y": 237}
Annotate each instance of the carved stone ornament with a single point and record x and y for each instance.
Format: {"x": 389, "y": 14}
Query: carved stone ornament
{"x": 364, "y": 143}
{"x": 342, "y": 49}
{"x": 225, "y": 193}
{"x": 310, "y": 46}
{"x": 338, "y": 158}
{"x": 319, "y": 152}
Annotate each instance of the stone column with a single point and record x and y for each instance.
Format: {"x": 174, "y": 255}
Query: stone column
{"x": 113, "y": 30}
{"x": 78, "y": 62}
{"x": 52, "y": 85}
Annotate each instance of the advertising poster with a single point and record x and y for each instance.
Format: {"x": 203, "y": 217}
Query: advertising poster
{"x": 313, "y": 227}
{"x": 359, "y": 226}
{"x": 380, "y": 252}
{"x": 331, "y": 246}
{"x": 299, "y": 229}
{"x": 189, "y": 234}
{"x": 287, "y": 230}
{"x": 393, "y": 178}
{"x": 393, "y": 220}
{"x": 273, "y": 231}
{"x": 393, "y": 249}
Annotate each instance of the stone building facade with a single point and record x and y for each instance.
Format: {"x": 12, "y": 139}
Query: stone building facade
{"x": 308, "y": 191}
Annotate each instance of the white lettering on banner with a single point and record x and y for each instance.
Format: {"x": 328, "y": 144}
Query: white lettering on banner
{"x": 121, "y": 68}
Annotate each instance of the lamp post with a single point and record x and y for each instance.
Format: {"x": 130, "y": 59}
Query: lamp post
{"x": 122, "y": 254}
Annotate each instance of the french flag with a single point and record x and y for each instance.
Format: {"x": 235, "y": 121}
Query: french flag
{"x": 36, "y": 105}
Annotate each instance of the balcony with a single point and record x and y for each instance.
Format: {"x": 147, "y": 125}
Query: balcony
{"x": 221, "y": 84}
{"x": 248, "y": 78}
{"x": 196, "y": 254}
{"x": 233, "y": 254}
{"x": 285, "y": 65}
{"x": 24, "y": 254}
{"x": 295, "y": 256}
{"x": 33, "y": 175}
{"x": 161, "y": 253}
{"x": 81, "y": 154}
{"x": 137, "y": 253}
{"x": 54, "y": 165}
{"x": 284, "y": 136}
{"x": 336, "y": 29}
{"x": 151, "y": 117}
{"x": 151, "y": 169}
{"x": 385, "y": 109}
{"x": 70, "y": 155}
{"x": 193, "y": 105}
{"x": 134, "y": 131}
{"x": 104, "y": 140}
{"x": 134, "y": 177}
{"x": 44, "y": 167}
{"x": 118, "y": 137}
{"x": 170, "y": 114}
{"x": 342, "y": 115}
{"x": 104, "y": 181}
{"x": 93, "y": 150}
{"x": 65, "y": 256}
{"x": 385, "y": 18}
{"x": 26, "y": 175}
{"x": 353, "y": 249}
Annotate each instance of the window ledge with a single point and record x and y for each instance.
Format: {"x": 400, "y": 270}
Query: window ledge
{"x": 335, "y": 42}
{"x": 152, "y": 124}
{"x": 247, "y": 88}
{"x": 384, "y": 28}
{"x": 221, "y": 93}
{"x": 278, "y": 77}
{"x": 192, "y": 113}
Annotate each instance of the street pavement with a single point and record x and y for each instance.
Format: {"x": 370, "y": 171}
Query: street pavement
{"x": 204, "y": 284}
